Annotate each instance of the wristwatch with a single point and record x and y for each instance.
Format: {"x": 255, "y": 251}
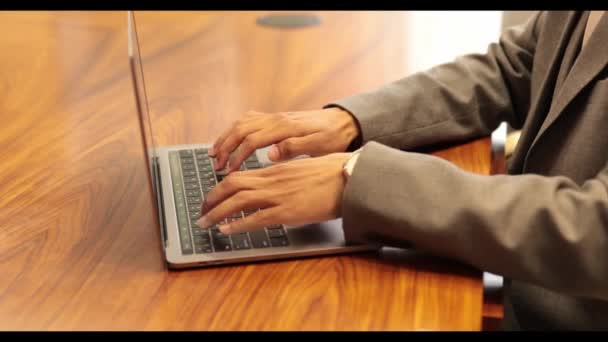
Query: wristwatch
{"x": 349, "y": 166}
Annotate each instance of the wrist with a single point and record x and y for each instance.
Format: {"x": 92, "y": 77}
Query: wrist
{"x": 348, "y": 129}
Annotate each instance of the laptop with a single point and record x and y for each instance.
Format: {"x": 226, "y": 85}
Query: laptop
{"x": 182, "y": 175}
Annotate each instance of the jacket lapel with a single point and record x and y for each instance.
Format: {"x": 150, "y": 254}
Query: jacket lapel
{"x": 571, "y": 52}
{"x": 590, "y": 62}
{"x": 560, "y": 26}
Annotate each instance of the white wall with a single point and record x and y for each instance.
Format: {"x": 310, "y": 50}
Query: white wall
{"x": 435, "y": 37}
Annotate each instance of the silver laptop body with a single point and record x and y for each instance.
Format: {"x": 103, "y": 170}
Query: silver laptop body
{"x": 180, "y": 177}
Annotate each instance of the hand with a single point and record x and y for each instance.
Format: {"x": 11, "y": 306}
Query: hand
{"x": 313, "y": 133}
{"x": 298, "y": 192}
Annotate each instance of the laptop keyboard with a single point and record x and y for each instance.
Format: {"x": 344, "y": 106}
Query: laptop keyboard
{"x": 193, "y": 178}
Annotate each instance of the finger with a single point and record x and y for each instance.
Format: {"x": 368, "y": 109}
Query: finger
{"x": 258, "y": 220}
{"x": 296, "y": 146}
{"x": 218, "y": 142}
{"x": 232, "y": 184}
{"x": 249, "y": 116}
{"x": 251, "y": 173}
{"x": 232, "y": 140}
{"x": 247, "y": 199}
{"x": 256, "y": 140}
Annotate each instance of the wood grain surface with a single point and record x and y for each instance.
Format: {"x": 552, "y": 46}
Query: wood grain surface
{"x": 78, "y": 246}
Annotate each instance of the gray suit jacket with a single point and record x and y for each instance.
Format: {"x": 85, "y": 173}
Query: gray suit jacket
{"x": 544, "y": 225}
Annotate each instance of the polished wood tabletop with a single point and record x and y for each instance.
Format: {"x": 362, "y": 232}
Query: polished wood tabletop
{"x": 78, "y": 246}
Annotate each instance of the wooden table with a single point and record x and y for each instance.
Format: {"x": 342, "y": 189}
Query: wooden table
{"x": 78, "y": 250}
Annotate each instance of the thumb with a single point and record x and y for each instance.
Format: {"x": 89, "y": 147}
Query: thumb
{"x": 290, "y": 148}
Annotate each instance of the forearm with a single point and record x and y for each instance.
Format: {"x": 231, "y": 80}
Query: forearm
{"x": 543, "y": 230}
{"x": 463, "y": 99}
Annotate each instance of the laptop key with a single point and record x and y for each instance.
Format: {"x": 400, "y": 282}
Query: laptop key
{"x": 187, "y": 248}
{"x": 192, "y": 200}
{"x": 217, "y": 234}
{"x": 237, "y": 215}
{"x": 204, "y": 168}
{"x": 259, "y": 239}
{"x": 191, "y": 186}
{"x": 207, "y": 187}
{"x": 203, "y": 249}
{"x": 190, "y": 179}
{"x": 202, "y": 239}
{"x": 193, "y": 193}
{"x": 222, "y": 245}
{"x": 207, "y": 178}
{"x": 185, "y": 153}
{"x": 180, "y": 206}
{"x": 202, "y": 157}
{"x": 279, "y": 242}
{"x": 207, "y": 181}
{"x": 210, "y": 184}
{"x": 184, "y": 233}
{"x": 195, "y": 214}
{"x": 205, "y": 163}
{"x": 274, "y": 233}
{"x": 189, "y": 173}
{"x": 183, "y": 228}
{"x": 253, "y": 165}
{"x": 188, "y": 167}
{"x": 240, "y": 241}
{"x": 199, "y": 231}
{"x": 207, "y": 174}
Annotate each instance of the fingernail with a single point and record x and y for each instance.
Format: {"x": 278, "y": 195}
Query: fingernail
{"x": 211, "y": 151}
{"x": 225, "y": 229}
{"x": 203, "y": 222}
{"x": 274, "y": 154}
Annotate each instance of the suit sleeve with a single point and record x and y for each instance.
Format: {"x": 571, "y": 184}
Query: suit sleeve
{"x": 543, "y": 230}
{"x": 466, "y": 98}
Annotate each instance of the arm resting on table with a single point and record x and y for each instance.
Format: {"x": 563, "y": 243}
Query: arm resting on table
{"x": 547, "y": 231}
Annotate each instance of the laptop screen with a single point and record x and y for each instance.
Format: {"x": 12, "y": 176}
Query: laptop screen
{"x": 139, "y": 86}
{"x": 145, "y": 125}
